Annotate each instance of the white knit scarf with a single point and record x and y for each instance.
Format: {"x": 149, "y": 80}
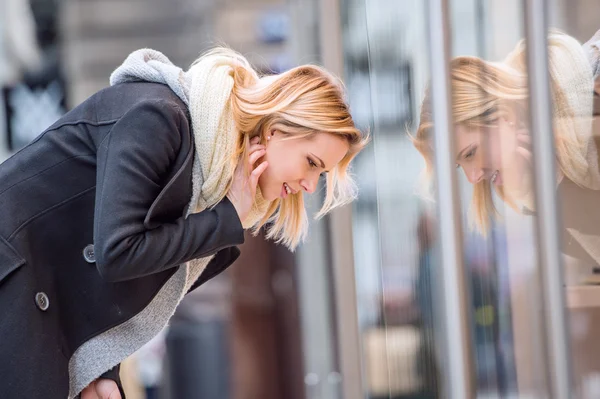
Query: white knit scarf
{"x": 575, "y": 76}
{"x": 573, "y": 73}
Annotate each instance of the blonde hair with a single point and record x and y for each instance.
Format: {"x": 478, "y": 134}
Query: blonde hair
{"x": 302, "y": 102}
{"x": 483, "y": 92}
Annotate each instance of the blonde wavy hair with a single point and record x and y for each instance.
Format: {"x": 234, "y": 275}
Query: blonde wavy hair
{"x": 483, "y": 92}
{"x": 301, "y": 102}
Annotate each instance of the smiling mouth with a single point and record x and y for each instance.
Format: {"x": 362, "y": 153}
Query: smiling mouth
{"x": 288, "y": 189}
{"x": 494, "y": 176}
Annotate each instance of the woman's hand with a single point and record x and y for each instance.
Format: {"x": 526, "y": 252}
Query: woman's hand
{"x": 243, "y": 188}
{"x": 101, "y": 389}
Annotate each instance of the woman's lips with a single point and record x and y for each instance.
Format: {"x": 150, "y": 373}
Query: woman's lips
{"x": 496, "y": 178}
{"x": 287, "y": 190}
{"x": 284, "y": 192}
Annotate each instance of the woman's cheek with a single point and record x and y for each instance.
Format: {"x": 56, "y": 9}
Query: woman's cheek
{"x": 507, "y": 151}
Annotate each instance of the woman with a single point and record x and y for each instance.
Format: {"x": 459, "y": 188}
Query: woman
{"x": 489, "y": 106}
{"x": 141, "y": 194}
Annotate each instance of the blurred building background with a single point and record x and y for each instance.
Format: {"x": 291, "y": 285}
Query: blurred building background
{"x": 352, "y": 314}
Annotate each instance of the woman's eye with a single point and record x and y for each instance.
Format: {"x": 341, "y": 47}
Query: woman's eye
{"x": 311, "y": 163}
{"x": 470, "y": 154}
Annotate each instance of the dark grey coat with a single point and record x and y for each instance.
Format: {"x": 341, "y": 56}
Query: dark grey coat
{"x": 92, "y": 226}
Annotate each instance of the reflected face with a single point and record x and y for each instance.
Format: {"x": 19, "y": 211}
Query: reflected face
{"x": 297, "y": 163}
{"x": 490, "y": 153}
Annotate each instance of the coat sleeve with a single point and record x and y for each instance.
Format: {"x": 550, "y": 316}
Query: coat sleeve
{"x": 222, "y": 260}
{"x": 133, "y": 162}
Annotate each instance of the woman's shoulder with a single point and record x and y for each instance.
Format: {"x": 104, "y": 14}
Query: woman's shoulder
{"x": 112, "y": 103}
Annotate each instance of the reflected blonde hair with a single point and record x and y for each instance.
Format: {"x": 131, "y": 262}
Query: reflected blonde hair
{"x": 302, "y": 102}
{"x": 483, "y": 92}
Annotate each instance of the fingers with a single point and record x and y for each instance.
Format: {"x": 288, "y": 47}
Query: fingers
{"x": 107, "y": 389}
{"x": 90, "y": 392}
{"x": 255, "y": 154}
{"x": 524, "y": 138}
{"x": 256, "y": 173}
{"x": 525, "y": 153}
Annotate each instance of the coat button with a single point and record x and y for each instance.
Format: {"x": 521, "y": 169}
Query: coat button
{"x": 42, "y": 301}
{"x": 88, "y": 253}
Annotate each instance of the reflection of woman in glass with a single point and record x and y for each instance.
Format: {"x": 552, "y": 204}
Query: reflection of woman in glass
{"x": 489, "y": 106}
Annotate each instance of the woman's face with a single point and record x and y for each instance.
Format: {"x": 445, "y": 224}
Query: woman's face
{"x": 493, "y": 153}
{"x": 297, "y": 163}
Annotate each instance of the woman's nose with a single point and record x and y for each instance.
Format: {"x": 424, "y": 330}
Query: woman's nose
{"x": 310, "y": 185}
{"x": 474, "y": 175}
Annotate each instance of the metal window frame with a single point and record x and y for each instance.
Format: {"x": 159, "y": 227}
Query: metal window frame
{"x": 457, "y": 348}
{"x": 547, "y": 223}
{"x": 340, "y": 231}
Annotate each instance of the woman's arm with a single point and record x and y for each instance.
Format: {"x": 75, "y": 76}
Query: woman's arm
{"x": 133, "y": 162}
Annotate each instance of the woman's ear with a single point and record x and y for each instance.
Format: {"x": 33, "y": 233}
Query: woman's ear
{"x": 509, "y": 122}
{"x": 269, "y": 135}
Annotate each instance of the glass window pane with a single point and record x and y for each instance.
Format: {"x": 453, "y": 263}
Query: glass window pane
{"x": 395, "y": 224}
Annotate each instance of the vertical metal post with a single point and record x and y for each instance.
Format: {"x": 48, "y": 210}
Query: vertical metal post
{"x": 340, "y": 226}
{"x": 458, "y": 366}
{"x": 547, "y": 228}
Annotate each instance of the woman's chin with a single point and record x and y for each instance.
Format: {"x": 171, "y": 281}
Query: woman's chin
{"x": 520, "y": 193}
{"x": 269, "y": 195}
{"x": 525, "y": 184}
{"x": 270, "y": 198}
{"x": 265, "y": 193}
{"x": 515, "y": 183}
